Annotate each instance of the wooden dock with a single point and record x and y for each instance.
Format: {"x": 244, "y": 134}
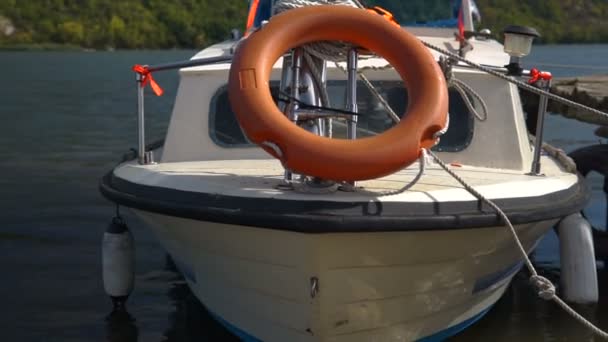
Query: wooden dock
{"x": 591, "y": 91}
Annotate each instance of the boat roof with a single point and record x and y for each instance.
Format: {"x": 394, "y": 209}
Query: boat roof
{"x": 487, "y": 52}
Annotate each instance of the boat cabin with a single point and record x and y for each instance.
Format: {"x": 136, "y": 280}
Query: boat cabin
{"x": 203, "y": 126}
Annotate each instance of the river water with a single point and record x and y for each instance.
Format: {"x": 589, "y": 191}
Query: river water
{"x": 68, "y": 117}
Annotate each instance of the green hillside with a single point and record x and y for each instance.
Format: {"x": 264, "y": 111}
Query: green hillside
{"x": 559, "y": 21}
{"x": 103, "y": 24}
{"x": 121, "y": 23}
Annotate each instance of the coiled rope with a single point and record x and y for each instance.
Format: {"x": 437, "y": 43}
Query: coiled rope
{"x": 464, "y": 90}
{"x": 330, "y": 51}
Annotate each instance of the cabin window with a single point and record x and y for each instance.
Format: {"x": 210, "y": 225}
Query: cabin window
{"x": 373, "y": 119}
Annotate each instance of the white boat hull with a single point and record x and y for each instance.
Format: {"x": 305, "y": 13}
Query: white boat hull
{"x": 398, "y": 258}
{"x": 384, "y": 286}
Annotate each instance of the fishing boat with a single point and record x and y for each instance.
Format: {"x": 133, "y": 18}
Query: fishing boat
{"x": 303, "y": 199}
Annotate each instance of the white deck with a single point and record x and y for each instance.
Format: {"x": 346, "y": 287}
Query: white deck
{"x": 259, "y": 179}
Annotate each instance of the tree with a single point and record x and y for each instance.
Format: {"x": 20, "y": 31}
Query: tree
{"x": 71, "y": 32}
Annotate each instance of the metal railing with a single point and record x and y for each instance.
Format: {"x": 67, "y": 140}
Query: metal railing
{"x": 540, "y": 83}
{"x": 141, "y": 78}
{"x": 351, "y": 92}
{"x": 146, "y": 157}
{"x": 540, "y": 124}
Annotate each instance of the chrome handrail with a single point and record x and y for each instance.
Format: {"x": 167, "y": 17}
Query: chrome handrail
{"x": 190, "y": 63}
{"x": 351, "y": 92}
{"x": 146, "y": 157}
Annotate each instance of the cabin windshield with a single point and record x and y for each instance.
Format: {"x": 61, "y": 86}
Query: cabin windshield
{"x": 373, "y": 117}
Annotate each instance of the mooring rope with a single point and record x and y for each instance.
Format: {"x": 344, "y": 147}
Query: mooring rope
{"x": 421, "y": 168}
{"x": 519, "y": 83}
{"x": 337, "y": 51}
{"x": 466, "y": 92}
{"x": 545, "y": 288}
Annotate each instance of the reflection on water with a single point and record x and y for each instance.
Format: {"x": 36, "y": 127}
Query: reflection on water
{"x": 121, "y": 327}
{"x": 188, "y": 322}
{"x": 187, "y": 318}
{"x": 191, "y": 321}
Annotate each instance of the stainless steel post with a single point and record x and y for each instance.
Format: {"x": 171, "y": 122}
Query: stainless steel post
{"x": 141, "y": 127}
{"x": 324, "y": 123}
{"x": 351, "y": 93}
{"x": 296, "y": 67}
{"x": 285, "y": 84}
{"x": 540, "y": 123}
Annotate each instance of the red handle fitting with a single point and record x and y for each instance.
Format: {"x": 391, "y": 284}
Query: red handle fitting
{"x": 384, "y": 13}
{"x": 537, "y": 75}
{"x": 147, "y": 78}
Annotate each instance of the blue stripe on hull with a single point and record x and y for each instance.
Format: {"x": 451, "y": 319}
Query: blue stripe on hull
{"x": 440, "y": 336}
{"x": 492, "y": 279}
{"x": 185, "y": 269}
{"x": 455, "y": 329}
{"x": 245, "y": 337}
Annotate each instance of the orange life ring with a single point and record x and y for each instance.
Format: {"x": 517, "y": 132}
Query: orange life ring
{"x": 337, "y": 159}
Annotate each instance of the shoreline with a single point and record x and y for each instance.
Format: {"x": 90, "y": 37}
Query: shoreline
{"x": 50, "y": 47}
{"x": 591, "y": 90}
{"x": 53, "y": 47}
{"x": 35, "y": 47}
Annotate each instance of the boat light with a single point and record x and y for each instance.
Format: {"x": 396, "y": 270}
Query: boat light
{"x": 518, "y": 44}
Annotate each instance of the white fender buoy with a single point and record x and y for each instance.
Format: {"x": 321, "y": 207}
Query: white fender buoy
{"x": 578, "y": 267}
{"x": 118, "y": 262}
